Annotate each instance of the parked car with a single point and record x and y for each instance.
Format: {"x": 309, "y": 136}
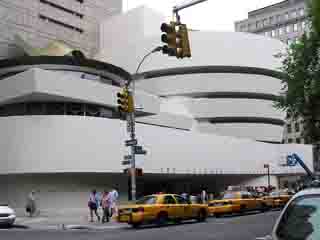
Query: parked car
{"x": 236, "y": 202}
{"x": 277, "y": 199}
{"x": 7, "y": 215}
{"x": 300, "y": 219}
{"x": 160, "y": 208}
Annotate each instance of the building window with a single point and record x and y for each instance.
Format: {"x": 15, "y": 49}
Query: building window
{"x": 289, "y": 130}
{"x": 290, "y": 140}
{"x": 295, "y": 27}
{"x": 301, "y": 11}
{"x": 294, "y": 14}
{"x": 48, "y": 19}
{"x": 278, "y": 18}
{"x": 257, "y": 24}
{"x": 303, "y": 25}
{"x": 249, "y": 27}
{"x": 280, "y": 31}
{"x": 298, "y": 140}
{"x": 35, "y": 108}
{"x": 288, "y": 29}
{"x": 297, "y": 127}
{"x": 286, "y": 16}
{"x": 265, "y": 22}
{"x": 271, "y": 19}
{"x": 62, "y": 8}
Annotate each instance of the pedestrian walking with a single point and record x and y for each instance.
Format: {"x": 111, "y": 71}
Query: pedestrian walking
{"x": 114, "y": 195}
{"x": 106, "y": 204}
{"x": 31, "y": 207}
{"x": 203, "y": 197}
{"x": 93, "y": 205}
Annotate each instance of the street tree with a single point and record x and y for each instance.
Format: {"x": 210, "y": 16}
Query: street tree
{"x": 301, "y": 80}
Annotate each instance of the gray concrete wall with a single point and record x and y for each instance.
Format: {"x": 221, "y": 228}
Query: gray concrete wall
{"x": 22, "y": 17}
{"x": 59, "y": 191}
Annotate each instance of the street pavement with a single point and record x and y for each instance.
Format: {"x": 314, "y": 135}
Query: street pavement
{"x": 245, "y": 227}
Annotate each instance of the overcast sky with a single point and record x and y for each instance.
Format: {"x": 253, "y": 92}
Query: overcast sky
{"x": 218, "y": 15}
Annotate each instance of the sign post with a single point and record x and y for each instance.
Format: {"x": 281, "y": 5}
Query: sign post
{"x": 267, "y": 166}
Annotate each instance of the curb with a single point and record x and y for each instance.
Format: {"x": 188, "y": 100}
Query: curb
{"x": 87, "y": 227}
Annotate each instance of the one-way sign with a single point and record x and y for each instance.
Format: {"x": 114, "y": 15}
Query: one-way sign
{"x": 139, "y": 150}
{"x": 126, "y": 162}
{"x": 127, "y": 157}
{"x": 131, "y": 142}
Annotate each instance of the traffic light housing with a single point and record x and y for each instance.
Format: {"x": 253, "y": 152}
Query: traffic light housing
{"x": 125, "y": 101}
{"x": 169, "y": 38}
{"x": 176, "y": 39}
{"x": 183, "y": 43}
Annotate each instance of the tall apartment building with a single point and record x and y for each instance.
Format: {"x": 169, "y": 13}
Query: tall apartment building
{"x": 40, "y": 21}
{"x": 285, "y": 21}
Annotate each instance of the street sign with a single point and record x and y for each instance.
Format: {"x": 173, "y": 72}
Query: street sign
{"x": 126, "y": 162}
{"x": 139, "y": 150}
{"x": 131, "y": 142}
{"x": 127, "y": 157}
{"x": 130, "y": 123}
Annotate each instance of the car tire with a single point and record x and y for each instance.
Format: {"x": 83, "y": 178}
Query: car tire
{"x": 264, "y": 208}
{"x": 177, "y": 220}
{"x": 242, "y": 209}
{"x": 202, "y": 216}
{"x": 162, "y": 218}
{"x": 136, "y": 225}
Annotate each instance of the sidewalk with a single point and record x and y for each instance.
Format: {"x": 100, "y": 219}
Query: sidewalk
{"x": 66, "y": 219}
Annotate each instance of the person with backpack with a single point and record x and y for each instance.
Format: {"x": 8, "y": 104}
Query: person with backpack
{"x": 93, "y": 204}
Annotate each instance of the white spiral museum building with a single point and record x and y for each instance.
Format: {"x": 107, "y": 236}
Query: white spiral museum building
{"x": 207, "y": 121}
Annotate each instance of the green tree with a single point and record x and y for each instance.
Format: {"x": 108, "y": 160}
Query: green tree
{"x": 301, "y": 80}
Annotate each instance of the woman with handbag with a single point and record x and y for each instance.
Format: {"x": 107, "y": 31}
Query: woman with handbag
{"x": 93, "y": 205}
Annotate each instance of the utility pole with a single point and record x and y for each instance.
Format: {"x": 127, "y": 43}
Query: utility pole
{"x": 126, "y": 99}
{"x": 178, "y": 8}
{"x": 267, "y": 166}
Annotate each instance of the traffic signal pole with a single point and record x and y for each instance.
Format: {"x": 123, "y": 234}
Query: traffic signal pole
{"x": 131, "y": 120}
{"x": 176, "y": 9}
{"x": 130, "y": 85}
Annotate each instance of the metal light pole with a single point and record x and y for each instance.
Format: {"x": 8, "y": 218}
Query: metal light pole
{"x": 267, "y": 166}
{"x": 131, "y": 126}
{"x": 176, "y": 9}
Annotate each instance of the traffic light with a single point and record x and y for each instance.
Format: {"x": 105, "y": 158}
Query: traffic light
{"x": 125, "y": 101}
{"x": 169, "y": 38}
{"x": 183, "y": 44}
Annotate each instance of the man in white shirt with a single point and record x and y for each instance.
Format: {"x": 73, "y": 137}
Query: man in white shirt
{"x": 113, "y": 201}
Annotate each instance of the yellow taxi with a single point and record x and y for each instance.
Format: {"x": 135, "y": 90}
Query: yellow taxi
{"x": 236, "y": 202}
{"x": 161, "y": 208}
{"x": 277, "y": 199}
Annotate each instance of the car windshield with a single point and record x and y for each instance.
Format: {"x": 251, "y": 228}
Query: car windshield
{"x": 301, "y": 220}
{"x": 229, "y": 195}
{"x": 147, "y": 200}
{"x": 274, "y": 194}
